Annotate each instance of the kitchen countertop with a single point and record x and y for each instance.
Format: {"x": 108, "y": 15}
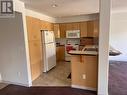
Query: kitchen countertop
{"x": 89, "y": 53}
{"x": 84, "y": 51}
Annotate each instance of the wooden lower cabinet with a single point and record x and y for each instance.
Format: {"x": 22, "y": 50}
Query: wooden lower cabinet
{"x": 35, "y": 58}
{"x": 60, "y": 53}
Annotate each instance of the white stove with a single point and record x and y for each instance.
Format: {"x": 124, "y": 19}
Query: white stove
{"x": 71, "y": 45}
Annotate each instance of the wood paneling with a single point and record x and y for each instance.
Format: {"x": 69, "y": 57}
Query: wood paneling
{"x": 35, "y": 52}
{"x": 87, "y": 65}
{"x": 35, "y": 59}
{"x": 33, "y": 28}
{"x": 35, "y": 46}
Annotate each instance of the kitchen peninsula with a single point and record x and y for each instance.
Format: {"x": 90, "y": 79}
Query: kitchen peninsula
{"x": 84, "y": 66}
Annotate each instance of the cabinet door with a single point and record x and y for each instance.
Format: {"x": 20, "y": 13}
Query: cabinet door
{"x": 33, "y": 28}
{"x": 62, "y": 30}
{"x": 90, "y": 29}
{"x": 46, "y": 25}
{"x": 56, "y": 30}
{"x": 60, "y": 53}
{"x": 57, "y": 54}
{"x": 35, "y": 58}
{"x": 83, "y": 29}
{"x": 96, "y": 28}
{"x": 69, "y": 26}
{"x": 76, "y": 26}
{"x": 73, "y": 26}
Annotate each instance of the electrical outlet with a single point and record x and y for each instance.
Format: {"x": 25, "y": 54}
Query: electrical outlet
{"x": 84, "y": 76}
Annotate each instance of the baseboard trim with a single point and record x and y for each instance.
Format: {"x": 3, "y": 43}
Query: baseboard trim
{"x": 0, "y": 81}
{"x": 83, "y": 87}
{"x": 15, "y": 83}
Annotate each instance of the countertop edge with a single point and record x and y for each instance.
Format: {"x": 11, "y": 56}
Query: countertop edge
{"x": 83, "y": 54}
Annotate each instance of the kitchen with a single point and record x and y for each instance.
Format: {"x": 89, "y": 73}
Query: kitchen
{"x": 67, "y": 36}
{"x": 30, "y": 66}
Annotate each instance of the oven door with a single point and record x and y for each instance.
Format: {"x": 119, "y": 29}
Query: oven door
{"x": 67, "y": 49}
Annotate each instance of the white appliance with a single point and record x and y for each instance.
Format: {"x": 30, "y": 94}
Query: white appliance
{"x": 73, "y": 34}
{"x": 67, "y": 49}
{"x": 49, "y": 49}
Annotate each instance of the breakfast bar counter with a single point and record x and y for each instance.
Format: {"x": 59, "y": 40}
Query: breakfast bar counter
{"x": 84, "y": 68}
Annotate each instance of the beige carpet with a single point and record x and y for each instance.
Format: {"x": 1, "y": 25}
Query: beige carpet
{"x": 55, "y": 77}
{"x": 3, "y": 85}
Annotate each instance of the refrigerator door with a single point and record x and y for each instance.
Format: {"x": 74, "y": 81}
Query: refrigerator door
{"x": 50, "y": 56}
{"x": 48, "y": 37}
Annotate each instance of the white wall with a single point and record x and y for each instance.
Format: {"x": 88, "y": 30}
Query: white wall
{"x": 0, "y": 78}
{"x": 118, "y": 33}
{"x": 13, "y": 60}
{"x": 39, "y": 16}
{"x": 105, "y": 13}
{"x": 14, "y": 56}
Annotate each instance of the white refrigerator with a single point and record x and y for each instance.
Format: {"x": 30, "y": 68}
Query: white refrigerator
{"x": 49, "y": 50}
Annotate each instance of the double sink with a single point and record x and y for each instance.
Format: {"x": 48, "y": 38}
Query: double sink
{"x": 90, "y": 48}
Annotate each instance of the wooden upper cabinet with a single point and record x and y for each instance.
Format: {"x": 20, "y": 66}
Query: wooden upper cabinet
{"x": 87, "y": 28}
{"x": 83, "y": 29}
{"x": 90, "y": 29}
{"x": 46, "y": 25}
{"x": 73, "y": 26}
{"x": 93, "y": 28}
{"x": 33, "y": 28}
{"x": 57, "y": 30}
{"x": 68, "y": 26}
{"x": 96, "y": 28}
{"x": 76, "y": 26}
{"x": 62, "y": 30}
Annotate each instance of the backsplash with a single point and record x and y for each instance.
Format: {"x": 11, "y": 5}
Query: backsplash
{"x": 64, "y": 41}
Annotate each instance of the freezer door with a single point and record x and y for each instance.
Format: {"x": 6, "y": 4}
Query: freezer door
{"x": 49, "y": 37}
{"x": 50, "y": 56}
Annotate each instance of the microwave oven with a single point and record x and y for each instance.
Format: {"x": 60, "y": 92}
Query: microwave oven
{"x": 73, "y": 34}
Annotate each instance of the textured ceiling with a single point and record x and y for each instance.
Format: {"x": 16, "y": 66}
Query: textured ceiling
{"x": 70, "y": 7}
{"x": 65, "y": 7}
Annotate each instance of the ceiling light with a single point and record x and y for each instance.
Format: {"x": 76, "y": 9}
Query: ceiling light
{"x": 54, "y": 5}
